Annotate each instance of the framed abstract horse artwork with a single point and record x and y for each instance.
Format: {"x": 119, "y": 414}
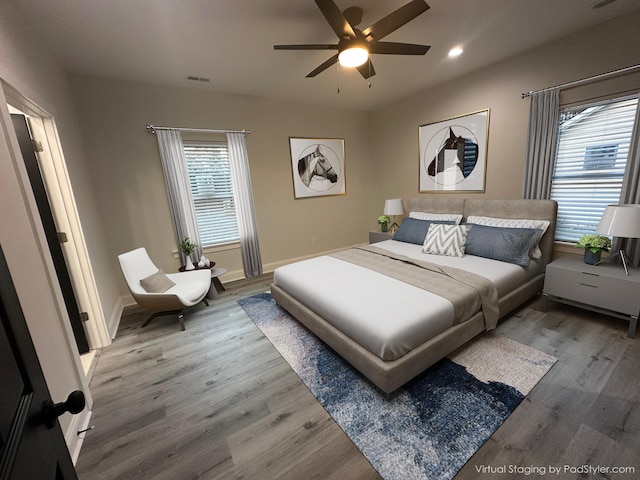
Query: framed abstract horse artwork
{"x": 317, "y": 167}
{"x": 453, "y": 154}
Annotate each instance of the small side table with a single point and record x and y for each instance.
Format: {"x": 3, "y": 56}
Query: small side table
{"x": 376, "y": 236}
{"x": 601, "y": 288}
{"x": 216, "y": 285}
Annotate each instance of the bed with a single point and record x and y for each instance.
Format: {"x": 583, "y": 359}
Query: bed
{"x": 391, "y": 310}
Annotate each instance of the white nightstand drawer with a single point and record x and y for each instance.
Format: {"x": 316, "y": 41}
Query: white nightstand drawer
{"x": 595, "y": 277}
{"x": 590, "y": 294}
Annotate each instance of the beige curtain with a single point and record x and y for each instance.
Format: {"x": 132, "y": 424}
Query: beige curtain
{"x": 541, "y": 144}
{"x": 631, "y": 192}
{"x": 176, "y": 179}
{"x": 245, "y": 210}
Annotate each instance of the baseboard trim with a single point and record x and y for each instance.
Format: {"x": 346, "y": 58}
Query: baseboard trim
{"x": 114, "y": 320}
{"x": 74, "y": 440}
{"x": 270, "y": 267}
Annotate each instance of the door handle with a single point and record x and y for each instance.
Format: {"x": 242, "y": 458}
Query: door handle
{"x": 74, "y": 403}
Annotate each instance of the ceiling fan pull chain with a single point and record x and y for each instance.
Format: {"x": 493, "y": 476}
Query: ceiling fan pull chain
{"x": 338, "y": 78}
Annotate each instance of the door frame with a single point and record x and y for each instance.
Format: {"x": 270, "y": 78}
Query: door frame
{"x": 63, "y": 206}
{"x": 39, "y": 280}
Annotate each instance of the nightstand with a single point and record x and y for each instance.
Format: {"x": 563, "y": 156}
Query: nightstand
{"x": 602, "y": 288}
{"x": 376, "y": 236}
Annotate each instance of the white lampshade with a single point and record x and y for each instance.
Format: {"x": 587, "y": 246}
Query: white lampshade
{"x": 353, "y": 57}
{"x": 620, "y": 221}
{"x": 393, "y": 207}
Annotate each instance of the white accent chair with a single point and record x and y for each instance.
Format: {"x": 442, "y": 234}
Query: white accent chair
{"x": 190, "y": 287}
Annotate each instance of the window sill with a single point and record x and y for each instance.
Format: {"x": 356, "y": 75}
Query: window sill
{"x": 213, "y": 249}
{"x": 571, "y": 249}
{"x": 221, "y": 247}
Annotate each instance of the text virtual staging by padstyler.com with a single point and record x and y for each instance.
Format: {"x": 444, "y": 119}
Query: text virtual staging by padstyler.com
{"x": 557, "y": 471}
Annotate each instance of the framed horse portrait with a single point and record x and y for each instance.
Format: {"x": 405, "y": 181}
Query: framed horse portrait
{"x": 453, "y": 154}
{"x": 317, "y": 167}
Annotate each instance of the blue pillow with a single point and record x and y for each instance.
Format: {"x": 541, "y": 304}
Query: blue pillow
{"x": 414, "y": 230}
{"x": 510, "y": 245}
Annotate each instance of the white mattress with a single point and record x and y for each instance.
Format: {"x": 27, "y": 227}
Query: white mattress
{"x": 386, "y": 316}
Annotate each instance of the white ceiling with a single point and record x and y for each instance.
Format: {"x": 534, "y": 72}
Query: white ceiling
{"x": 231, "y": 42}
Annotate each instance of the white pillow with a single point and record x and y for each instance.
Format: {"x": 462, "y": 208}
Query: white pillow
{"x": 514, "y": 223}
{"x": 449, "y": 217}
{"x": 445, "y": 239}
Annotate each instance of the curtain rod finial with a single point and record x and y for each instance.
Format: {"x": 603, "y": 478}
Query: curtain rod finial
{"x": 151, "y": 128}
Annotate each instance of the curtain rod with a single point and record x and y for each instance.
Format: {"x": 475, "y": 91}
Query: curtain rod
{"x": 585, "y": 80}
{"x": 153, "y": 128}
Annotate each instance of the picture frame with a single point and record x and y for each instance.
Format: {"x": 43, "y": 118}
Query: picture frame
{"x": 453, "y": 154}
{"x": 317, "y": 167}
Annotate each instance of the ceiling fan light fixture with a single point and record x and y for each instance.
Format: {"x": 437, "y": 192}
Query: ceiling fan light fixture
{"x": 353, "y": 56}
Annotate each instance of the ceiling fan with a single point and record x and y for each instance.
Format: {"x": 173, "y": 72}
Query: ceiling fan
{"x": 354, "y": 45}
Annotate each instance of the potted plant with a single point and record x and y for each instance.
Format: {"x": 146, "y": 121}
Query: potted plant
{"x": 187, "y": 247}
{"x": 383, "y": 220}
{"x": 593, "y": 246}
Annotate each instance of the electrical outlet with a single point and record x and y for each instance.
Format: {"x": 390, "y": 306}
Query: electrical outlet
{"x": 314, "y": 240}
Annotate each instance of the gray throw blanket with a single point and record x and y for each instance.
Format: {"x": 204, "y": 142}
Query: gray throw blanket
{"x": 467, "y": 291}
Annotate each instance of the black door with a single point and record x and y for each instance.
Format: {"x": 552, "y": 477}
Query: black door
{"x": 50, "y": 230}
{"x": 31, "y": 442}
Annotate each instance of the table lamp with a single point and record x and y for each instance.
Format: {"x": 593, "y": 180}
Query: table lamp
{"x": 621, "y": 221}
{"x": 393, "y": 207}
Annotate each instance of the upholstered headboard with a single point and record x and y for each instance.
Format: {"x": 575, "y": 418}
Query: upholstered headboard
{"x": 436, "y": 205}
{"x": 501, "y": 208}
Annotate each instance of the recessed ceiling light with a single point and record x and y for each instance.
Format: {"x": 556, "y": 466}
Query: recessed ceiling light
{"x": 454, "y": 52}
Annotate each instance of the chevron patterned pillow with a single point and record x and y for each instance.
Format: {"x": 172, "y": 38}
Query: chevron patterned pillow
{"x": 447, "y": 240}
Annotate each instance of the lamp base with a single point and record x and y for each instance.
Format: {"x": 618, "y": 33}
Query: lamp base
{"x": 394, "y": 228}
{"x": 623, "y": 257}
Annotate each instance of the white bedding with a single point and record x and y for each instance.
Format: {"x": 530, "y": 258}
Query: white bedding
{"x": 386, "y": 316}
{"x": 505, "y": 276}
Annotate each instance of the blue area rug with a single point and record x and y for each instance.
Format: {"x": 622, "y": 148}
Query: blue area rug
{"x": 432, "y": 425}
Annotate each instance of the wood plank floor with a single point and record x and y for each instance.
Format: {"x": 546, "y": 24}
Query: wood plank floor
{"x": 218, "y": 402}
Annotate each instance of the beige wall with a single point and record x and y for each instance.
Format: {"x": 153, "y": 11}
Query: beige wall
{"x": 381, "y": 146}
{"x": 131, "y": 190}
{"x": 34, "y": 74}
{"x": 395, "y": 128}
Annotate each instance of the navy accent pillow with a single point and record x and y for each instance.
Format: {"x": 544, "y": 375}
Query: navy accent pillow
{"x": 414, "y": 230}
{"x": 510, "y": 245}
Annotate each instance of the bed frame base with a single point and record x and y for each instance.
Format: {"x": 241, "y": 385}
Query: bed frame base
{"x": 388, "y": 376}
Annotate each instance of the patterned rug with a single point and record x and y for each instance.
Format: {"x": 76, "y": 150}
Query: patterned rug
{"x": 432, "y": 425}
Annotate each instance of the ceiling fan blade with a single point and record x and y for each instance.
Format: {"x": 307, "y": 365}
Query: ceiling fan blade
{"x": 335, "y": 18}
{"x": 366, "y": 69}
{"x": 324, "y": 66}
{"x": 394, "y": 48}
{"x": 395, "y": 20}
{"x": 318, "y": 46}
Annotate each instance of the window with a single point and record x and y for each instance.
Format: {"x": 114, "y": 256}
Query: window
{"x": 210, "y": 176}
{"x": 591, "y": 156}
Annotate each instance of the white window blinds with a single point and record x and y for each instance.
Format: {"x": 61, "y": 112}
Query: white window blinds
{"x": 591, "y": 156}
{"x": 211, "y": 188}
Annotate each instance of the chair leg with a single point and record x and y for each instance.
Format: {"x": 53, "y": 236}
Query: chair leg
{"x": 161, "y": 314}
